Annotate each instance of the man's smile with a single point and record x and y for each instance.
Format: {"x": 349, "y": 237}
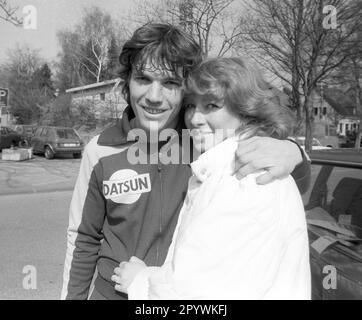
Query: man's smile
{"x": 154, "y": 110}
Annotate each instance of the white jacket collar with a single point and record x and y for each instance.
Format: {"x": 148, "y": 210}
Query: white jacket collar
{"x": 219, "y": 157}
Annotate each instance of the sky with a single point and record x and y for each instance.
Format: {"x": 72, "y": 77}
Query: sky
{"x": 53, "y": 15}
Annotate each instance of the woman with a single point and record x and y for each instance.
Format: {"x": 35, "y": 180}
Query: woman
{"x": 234, "y": 239}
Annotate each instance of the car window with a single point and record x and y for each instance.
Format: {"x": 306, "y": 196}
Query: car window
{"x": 44, "y": 133}
{"x": 38, "y": 131}
{"x": 66, "y": 134}
{"x": 51, "y": 133}
{"x": 336, "y": 193}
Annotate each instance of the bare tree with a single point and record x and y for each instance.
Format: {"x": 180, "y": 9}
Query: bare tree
{"x": 289, "y": 38}
{"x": 212, "y": 23}
{"x": 94, "y": 34}
{"x": 69, "y": 71}
{"x": 86, "y": 49}
{"x": 349, "y": 77}
{"x": 357, "y": 77}
{"x": 9, "y": 13}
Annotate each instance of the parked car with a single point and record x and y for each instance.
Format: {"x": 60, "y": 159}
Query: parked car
{"x": 10, "y": 138}
{"x": 333, "y": 207}
{"x": 316, "y": 145}
{"x": 57, "y": 140}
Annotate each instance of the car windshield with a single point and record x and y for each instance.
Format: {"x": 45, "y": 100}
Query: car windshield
{"x": 66, "y": 134}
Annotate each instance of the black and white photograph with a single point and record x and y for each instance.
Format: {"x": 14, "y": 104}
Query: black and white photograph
{"x": 203, "y": 151}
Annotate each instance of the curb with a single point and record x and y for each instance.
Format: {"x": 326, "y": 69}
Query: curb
{"x": 39, "y": 189}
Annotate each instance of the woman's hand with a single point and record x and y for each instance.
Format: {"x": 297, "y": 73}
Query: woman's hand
{"x": 126, "y": 272}
{"x": 277, "y": 157}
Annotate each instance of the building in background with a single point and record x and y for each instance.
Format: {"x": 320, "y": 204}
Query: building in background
{"x": 347, "y": 121}
{"x": 334, "y": 115}
{"x": 105, "y": 98}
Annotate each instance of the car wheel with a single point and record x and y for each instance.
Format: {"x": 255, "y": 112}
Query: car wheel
{"x": 77, "y": 155}
{"x": 49, "y": 154}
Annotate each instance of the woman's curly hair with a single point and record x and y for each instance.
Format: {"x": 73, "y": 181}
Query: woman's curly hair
{"x": 245, "y": 92}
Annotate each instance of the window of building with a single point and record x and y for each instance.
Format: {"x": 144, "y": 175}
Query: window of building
{"x": 324, "y": 111}
{"x": 102, "y": 96}
{"x": 315, "y": 111}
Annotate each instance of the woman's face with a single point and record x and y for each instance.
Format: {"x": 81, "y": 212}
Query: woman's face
{"x": 210, "y": 121}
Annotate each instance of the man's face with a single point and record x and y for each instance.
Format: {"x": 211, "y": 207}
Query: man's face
{"x": 155, "y": 95}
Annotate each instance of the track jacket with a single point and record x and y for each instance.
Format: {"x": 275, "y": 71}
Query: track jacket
{"x": 119, "y": 210}
{"x": 234, "y": 239}
{"x": 132, "y": 209}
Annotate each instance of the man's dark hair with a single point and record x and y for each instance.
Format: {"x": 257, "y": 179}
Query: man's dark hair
{"x": 164, "y": 46}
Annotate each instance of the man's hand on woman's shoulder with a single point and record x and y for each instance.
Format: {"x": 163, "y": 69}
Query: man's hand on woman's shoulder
{"x": 277, "y": 157}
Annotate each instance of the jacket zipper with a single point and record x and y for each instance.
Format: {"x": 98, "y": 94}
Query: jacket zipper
{"x": 159, "y": 167}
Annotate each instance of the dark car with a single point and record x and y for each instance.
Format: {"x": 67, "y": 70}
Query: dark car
{"x": 10, "y": 138}
{"x": 57, "y": 140}
{"x": 333, "y": 207}
{"x": 26, "y": 130}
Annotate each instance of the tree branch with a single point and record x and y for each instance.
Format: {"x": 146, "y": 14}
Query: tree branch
{"x": 8, "y": 13}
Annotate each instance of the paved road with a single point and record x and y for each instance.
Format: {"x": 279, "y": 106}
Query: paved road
{"x": 38, "y": 175}
{"x": 33, "y": 233}
{"x": 34, "y": 202}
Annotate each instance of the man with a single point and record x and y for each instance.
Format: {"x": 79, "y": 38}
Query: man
{"x": 120, "y": 209}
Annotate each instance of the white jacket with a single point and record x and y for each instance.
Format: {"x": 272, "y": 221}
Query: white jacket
{"x": 234, "y": 239}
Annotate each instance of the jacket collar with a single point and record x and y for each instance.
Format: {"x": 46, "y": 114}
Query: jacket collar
{"x": 222, "y": 156}
{"x": 117, "y": 134}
